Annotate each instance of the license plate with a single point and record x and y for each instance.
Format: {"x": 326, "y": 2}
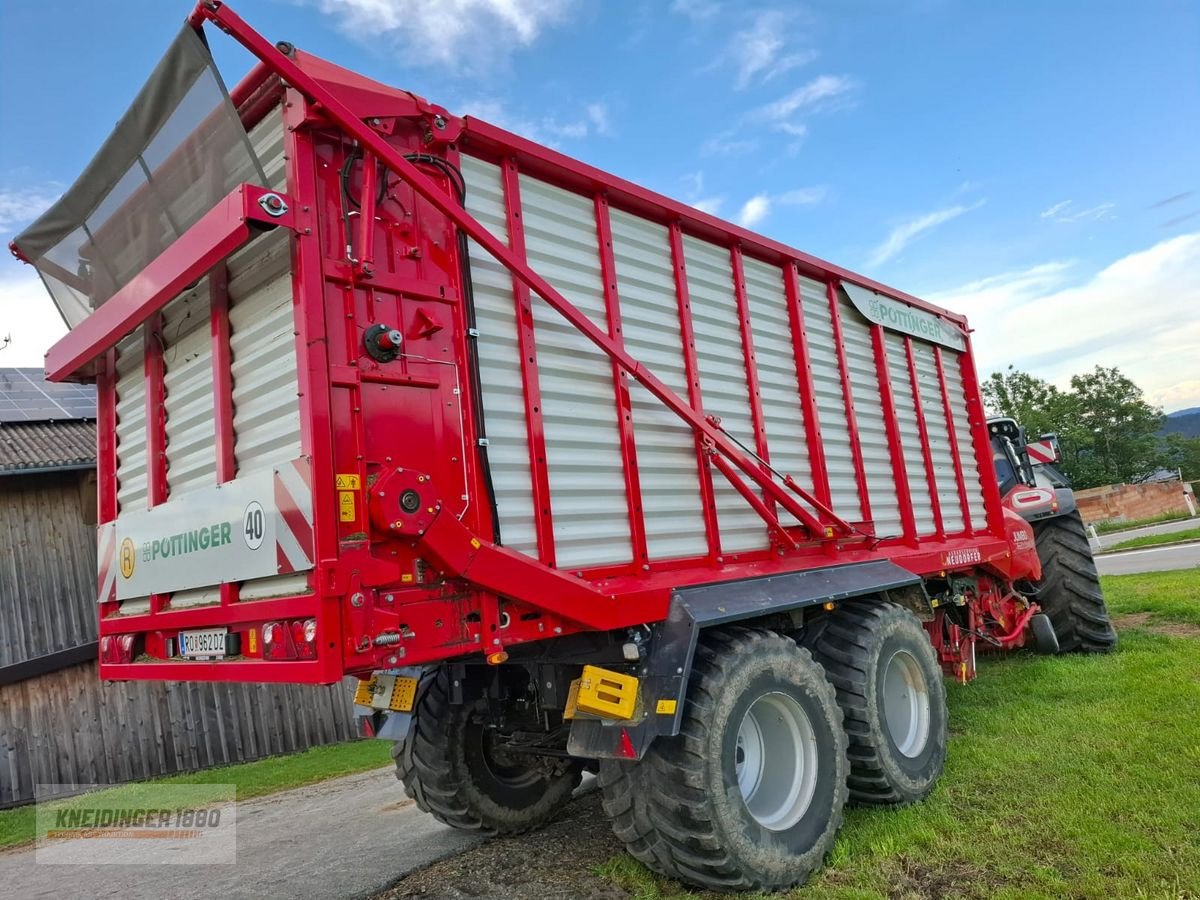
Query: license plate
{"x": 209, "y": 643}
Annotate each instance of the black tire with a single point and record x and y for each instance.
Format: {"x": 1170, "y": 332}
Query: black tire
{"x": 859, "y": 644}
{"x": 680, "y": 809}
{"x": 1069, "y": 592}
{"x": 448, "y": 766}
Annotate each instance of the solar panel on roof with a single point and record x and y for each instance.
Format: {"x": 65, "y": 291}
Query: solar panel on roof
{"x": 26, "y": 396}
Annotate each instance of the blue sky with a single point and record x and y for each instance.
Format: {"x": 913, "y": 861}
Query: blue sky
{"x": 1033, "y": 164}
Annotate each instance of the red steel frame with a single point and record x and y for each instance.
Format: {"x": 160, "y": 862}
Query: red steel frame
{"x": 605, "y": 598}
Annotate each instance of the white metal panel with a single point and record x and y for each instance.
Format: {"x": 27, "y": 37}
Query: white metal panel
{"x": 722, "y": 368}
{"x": 267, "y": 140}
{"x": 266, "y": 406}
{"x": 778, "y": 384}
{"x": 500, "y": 364}
{"x": 831, "y": 405}
{"x": 188, "y": 392}
{"x": 939, "y": 437}
{"x": 132, "y": 488}
{"x": 579, "y": 409}
{"x": 666, "y": 448}
{"x": 910, "y": 433}
{"x": 952, "y": 366}
{"x": 868, "y": 415}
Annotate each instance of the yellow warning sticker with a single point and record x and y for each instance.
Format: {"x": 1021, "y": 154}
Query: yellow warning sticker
{"x": 348, "y": 482}
{"x": 666, "y": 707}
{"x": 346, "y": 506}
{"x": 252, "y": 640}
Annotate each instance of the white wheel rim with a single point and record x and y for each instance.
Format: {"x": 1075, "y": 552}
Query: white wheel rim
{"x": 906, "y": 703}
{"x": 776, "y": 761}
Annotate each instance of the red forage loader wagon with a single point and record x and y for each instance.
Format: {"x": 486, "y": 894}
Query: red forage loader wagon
{"x": 570, "y": 474}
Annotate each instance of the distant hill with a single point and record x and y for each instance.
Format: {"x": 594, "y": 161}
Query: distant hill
{"x": 1183, "y": 421}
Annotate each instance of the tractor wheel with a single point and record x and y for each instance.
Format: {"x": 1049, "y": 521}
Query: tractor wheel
{"x": 451, "y": 766}
{"x": 749, "y": 794}
{"x": 1069, "y": 592}
{"x": 889, "y": 684}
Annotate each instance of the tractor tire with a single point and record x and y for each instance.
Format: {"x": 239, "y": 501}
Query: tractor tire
{"x": 449, "y": 766}
{"x": 1069, "y": 592}
{"x": 749, "y": 794}
{"x": 889, "y": 684}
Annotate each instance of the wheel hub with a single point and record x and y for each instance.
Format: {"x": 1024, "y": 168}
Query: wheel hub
{"x": 775, "y": 761}
{"x": 906, "y": 703}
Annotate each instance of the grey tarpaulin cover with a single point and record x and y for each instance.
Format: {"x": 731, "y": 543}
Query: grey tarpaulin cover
{"x": 178, "y": 149}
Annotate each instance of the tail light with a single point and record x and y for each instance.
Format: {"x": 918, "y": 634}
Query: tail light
{"x": 296, "y": 639}
{"x": 116, "y": 648}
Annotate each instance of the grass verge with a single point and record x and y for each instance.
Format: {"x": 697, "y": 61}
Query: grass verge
{"x": 1149, "y": 540}
{"x": 253, "y": 779}
{"x": 1067, "y": 776}
{"x": 1114, "y": 526}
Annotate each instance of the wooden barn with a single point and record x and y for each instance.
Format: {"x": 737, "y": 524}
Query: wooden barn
{"x": 59, "y": 724}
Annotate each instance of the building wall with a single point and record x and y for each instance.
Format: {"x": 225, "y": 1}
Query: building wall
{"x": 1131, "y": 502}
{"x": 68, "y": 727}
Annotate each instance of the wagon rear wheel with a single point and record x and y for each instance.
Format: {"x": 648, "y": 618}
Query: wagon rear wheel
{"x": 749, "y": 795}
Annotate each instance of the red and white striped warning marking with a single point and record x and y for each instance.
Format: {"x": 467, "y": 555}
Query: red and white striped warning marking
{"x": 294, "y": 506}
{"x": 1041, "y": 452}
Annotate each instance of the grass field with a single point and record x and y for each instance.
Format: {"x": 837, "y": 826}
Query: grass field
{"x": 1067, "y": 776}
{"x": 253, "y": 779}
{"x": 1149, "y": 540}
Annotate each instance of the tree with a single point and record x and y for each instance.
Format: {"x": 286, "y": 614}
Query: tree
{"x": 1182, "y": 453}
{"x": 1108, "y": 432}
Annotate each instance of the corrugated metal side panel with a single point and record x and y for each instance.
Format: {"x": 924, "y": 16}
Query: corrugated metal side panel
{"x": 131, "y": 423}
{"x": 266, "y": 406}
{"x": 666, "y": 447}
{"x": 722, "y": 369}
{"x": 778, "y": 386}
{"x": 910, "y": 433}
{"x": 499, "y": 364}
{"x": 831, "y": 406}
{"x": 267, "y": 140}
{"x": 187, "y": 380}
{"x": 952, "y": 365}
{"x": 939, "y": 437}
{"x": 579, "y": 410}
{"x": 868, "y": 414}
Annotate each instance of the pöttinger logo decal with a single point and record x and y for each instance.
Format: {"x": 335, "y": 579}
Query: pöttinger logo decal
{"x": 128, "y": 558}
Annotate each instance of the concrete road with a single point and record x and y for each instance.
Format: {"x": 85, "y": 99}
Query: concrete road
{"x": 350, "y": 837}
{"x": 1107, "y": 540}
{"x": 1151, "y": 559}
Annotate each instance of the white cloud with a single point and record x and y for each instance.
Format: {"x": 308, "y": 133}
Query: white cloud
{"x": 754, "y": 210}
{"x": 592, "y": 120}
{"x": 710, "y": 205}
{"x": 1068, "y": 211}
{"x": 696, "y": 10}
{"x": 468, "y": 35}
{"x": 822, "y": 94}
{"x": 1137, "y": 314}
{"x": 20, "y": 206}
{"x": 803, "y": 196}
{"x": 758, "y": 52}
{"x": 726, "y": 144}
{"x": 904, "y": 234}
{"x": 28, "y": 316}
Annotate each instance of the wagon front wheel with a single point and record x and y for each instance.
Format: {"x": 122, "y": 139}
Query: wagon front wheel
{"x": 749, "y": 795}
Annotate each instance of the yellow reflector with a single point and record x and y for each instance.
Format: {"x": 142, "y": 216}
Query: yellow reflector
{"x": 404, "y": 693}
{"x": 607, "y": 694}
{"x": 365, "y": 691}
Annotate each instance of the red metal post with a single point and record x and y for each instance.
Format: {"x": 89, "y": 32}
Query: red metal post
{"x": 612, "y": 306}
{"x": 752, "y": 388}
{"x": 806, "y": 390}
{"x": 531, "y": 388}
{"x": 887, "y": 399}
{"x": 959, "y": 479}
{"x": 922, "y": 429}
{"x": 977, "y": 419}
{"x": 222, "y": 375}
{"x": 695, "y": 399}
{"x": 156, "y": 420}
{"x": 860, "y": 469}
